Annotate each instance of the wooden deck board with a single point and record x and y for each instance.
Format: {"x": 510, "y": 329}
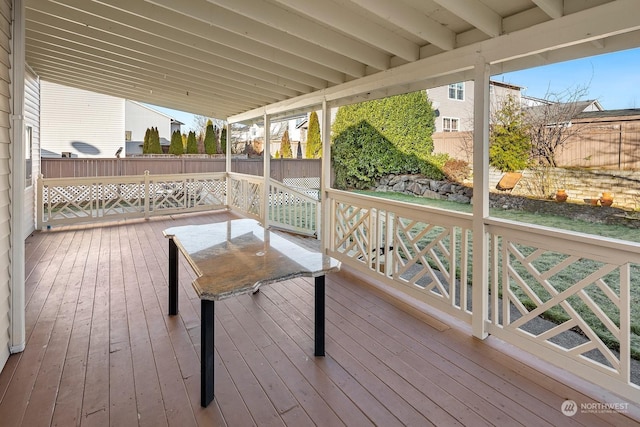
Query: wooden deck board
{"x": 102, "y": 350}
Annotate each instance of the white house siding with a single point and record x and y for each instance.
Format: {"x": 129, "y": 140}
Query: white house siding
{"x": 85, "y": 124}
{"x": 138, "y": 118}
{"x": 5, "y": 162}
{"x": 32, "y": 120}
{"x": 453, "y": 108}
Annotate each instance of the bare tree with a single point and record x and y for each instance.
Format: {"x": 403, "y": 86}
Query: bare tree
{"x": 550, "y": 122}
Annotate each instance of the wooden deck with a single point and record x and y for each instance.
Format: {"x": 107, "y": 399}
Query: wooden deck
{"x": 102, "y": 351}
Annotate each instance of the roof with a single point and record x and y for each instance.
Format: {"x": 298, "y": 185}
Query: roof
{"x": 242, "y": 58}
{"x": 613, "y": 114}
{"x": 156, "y": 111}
{"x": 561, "y": 111}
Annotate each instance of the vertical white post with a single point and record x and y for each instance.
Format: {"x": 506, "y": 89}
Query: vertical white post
{"x": 325, "y": 181}
{"x": 227, "y": 166}
{"x": 480, "y": 197}
{"x": 17, "y": 153}
{"x": 266, "y": 155}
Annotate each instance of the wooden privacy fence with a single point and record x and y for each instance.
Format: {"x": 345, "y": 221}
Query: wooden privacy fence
{"x": 84, "y": 168}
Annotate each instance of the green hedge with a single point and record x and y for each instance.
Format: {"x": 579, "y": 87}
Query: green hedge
{"x": 391, "y": 135}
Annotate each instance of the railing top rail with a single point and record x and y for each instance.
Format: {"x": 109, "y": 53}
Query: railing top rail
{"x": 285, "y": 188}
{"x": 129, "y": 178}
{"x": 253, "y": 178}
{"x": 445, "y": 216}
{"x": 596, "y": 247}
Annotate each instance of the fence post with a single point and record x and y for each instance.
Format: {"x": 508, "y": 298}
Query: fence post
{"x": 147, "y": 191}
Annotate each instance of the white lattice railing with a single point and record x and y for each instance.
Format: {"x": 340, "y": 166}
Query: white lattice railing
{"x": 418, "y": 250}
{"x": 567, "y": 297}
{"x": 80, "y": 200}
{"x": 246, "y": 194}
{"x": 293, "y": 210}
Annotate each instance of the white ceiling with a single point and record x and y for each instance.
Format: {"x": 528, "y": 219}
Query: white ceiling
{"x": 222, "y": 58}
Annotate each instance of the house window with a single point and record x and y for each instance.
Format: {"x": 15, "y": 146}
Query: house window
{"x": 28, "y": 146}
{"x": 127, "y": 135}
{"x": 450, "y": 124}
{"x": 456, "y": 91}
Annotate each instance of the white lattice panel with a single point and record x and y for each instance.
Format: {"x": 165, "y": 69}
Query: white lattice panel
{"x": 583, "y": 300}
{"x": 429, "y": 260}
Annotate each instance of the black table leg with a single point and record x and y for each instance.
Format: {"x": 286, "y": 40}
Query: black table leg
{"x": 173, "y": 278}
{"x": 319, "y": 316}
{"x": 206, "y": 352}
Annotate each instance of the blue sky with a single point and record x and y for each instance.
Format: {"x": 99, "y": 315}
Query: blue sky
{"x": 613, "y": 79}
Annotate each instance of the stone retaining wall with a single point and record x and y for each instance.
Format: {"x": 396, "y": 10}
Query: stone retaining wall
{"x": 580, "y": 184}
{"x": 417, "y": 185}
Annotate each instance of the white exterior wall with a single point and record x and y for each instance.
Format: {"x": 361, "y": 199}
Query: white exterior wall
{"x": 86, "y": 124}
{"x": 138, "y": 118}
{"x": 5, "y": 177}
{"x": 31, "y": 120}
{"x": 453, "y": 108}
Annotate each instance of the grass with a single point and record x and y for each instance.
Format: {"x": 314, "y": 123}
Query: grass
{"x": 569, "y": 275}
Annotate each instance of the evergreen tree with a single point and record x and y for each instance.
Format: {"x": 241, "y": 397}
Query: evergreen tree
{"x": 223, "y": 140}
{"x": 184, "y": 142}
{"x": 154, "y": 142}
{"x": 285, "y": 146}
{"x": 176, "y": 144}
{"x": 192, "y": 144}
{"x": 509, "y": 142}
{"x": 145, "y": 144}
{"x": 314, "y": 142}
{"x": 209, "y": 139}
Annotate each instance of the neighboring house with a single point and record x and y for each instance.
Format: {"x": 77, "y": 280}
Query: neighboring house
{"x": 138, "y": 118}
{"x": 296, "y": 125}
{"x": 453, "y": 103}
{"x": 79, "y": 123}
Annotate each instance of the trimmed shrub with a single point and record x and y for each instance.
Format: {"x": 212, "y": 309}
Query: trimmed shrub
{"x": 223, "y": 140}
{"x": 176, "y": 144}
{"x": 192, "y": 144}
{"x": 391, "y": 135}
{"x": 314, "y": 141}
{"x": 209, "y": 139}
{"x": 285, "y": 147}
{"x": 154, "y": 142}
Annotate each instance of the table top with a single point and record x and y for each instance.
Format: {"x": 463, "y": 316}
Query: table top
{"x": 238, "y": 256}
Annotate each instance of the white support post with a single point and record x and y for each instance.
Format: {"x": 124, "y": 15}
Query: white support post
{"x": 325, "y": 181}
{"x": 266, "y": 155}
{"x": 480, "y": 288}
{"x": 17, "y": 339}
{"x": 227, "y": 167}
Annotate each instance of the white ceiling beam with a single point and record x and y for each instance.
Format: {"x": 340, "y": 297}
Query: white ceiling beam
{"x": 222, "y": 18}
{"x": 244, "y": 50}
{"x": 168, "y": 77}
{"x": 112, "y": 31}
{"x": 349, "y": 22}
{"x": 306, "y": 29}
{"x": 89, "y": 37}
{"x": 184, "y": 103}
{"x": 553, "y": 8}
{"x": 411, "y": 20}
{"x": 570, "y": 30}
{"x": 39, "y": 55}
{"x": 476, "y": 14}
